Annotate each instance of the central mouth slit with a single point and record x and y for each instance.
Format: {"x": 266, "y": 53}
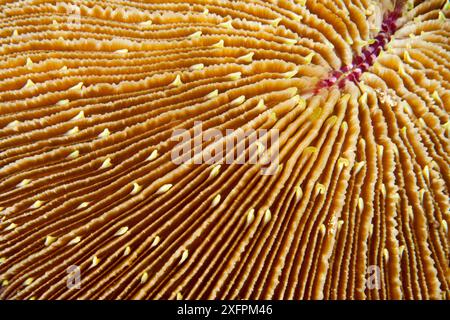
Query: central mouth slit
{"x": 362, "y": 62}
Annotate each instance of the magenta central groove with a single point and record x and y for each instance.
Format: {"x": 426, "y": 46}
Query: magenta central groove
{"x": 362, "y": 62}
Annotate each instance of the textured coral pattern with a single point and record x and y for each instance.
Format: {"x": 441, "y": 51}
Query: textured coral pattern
{"x": 92, "y": 91}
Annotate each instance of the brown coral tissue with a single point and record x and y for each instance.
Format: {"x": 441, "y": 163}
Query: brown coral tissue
{"x": 109, "y": 108}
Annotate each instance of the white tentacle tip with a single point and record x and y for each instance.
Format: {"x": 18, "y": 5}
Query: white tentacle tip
{"x": 147, "y": 23}
{"x": 121, "y": 231}
{"x": 28, "y": 282}
{"x": 29, "y": 62}
{"x": 246, "y": 57}
{"x": 106, "y": 163}
{"x": 74, "y": 154}
{"x": 136, "y": 188}
{"x": 267, "y": 216}
{"x": 164, "y": 188}
{"x": 227, "y": 24}
{"x": 74, "y": 241}
{"x": 155, "y": 242}
{"x": 11, "y": 227}
{"x": 184, "y": 256}
{"x": 195, "y": 35}
{"x": 49, "y": 240}
{"x": 83, "y": 205}
{"x": 198, "y": 66}
{"x": 153, "y": 155}
{"x": 105, "y": 133}
{"x": 218, "y": 44}
{"x": 177, "y": 81}
{"x": 215, "y": 171}
{"x": 95, "y": 261}
{"x": 250, "y": 216}
{"x": 79, "y": 116}
{"x": 144, "y": 277}
{"x": 23, "y": 183}
{"x": 215, "y": 201}
{"x": 37, "y": 204}
{"x": 212, "y": 94}
{"x": 238, "y": 101}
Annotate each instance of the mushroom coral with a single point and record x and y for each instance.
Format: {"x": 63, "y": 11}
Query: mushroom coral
{"x": 357, "y": 206}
